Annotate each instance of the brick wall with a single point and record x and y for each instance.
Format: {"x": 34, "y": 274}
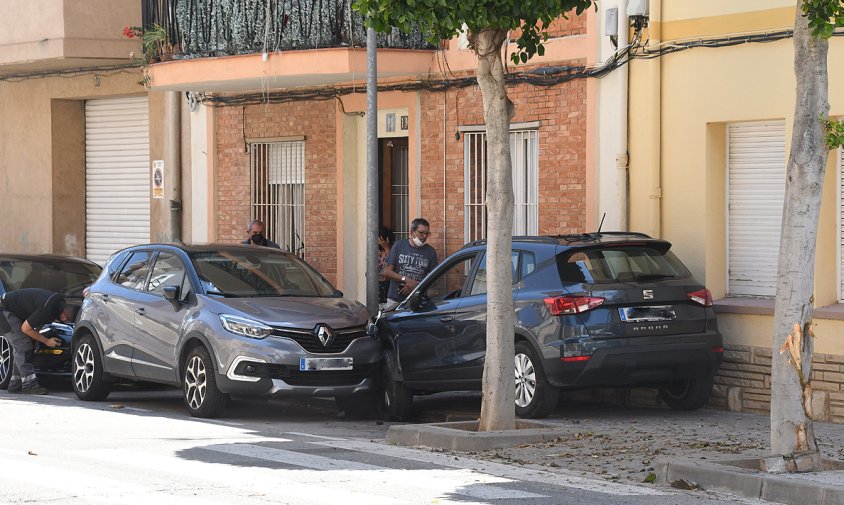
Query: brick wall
{"x": 561, "y": 111}
{"x": 315, "y": 121}
{"x": 743, "y": 384}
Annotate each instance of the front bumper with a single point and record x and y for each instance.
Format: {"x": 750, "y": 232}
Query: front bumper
{"x": 275, "y": 371}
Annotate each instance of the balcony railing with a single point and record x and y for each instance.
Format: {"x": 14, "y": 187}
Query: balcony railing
{"x": 201, "y": 28}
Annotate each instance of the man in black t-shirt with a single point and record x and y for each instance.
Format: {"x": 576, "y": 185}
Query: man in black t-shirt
{"x": 26, "y": 310}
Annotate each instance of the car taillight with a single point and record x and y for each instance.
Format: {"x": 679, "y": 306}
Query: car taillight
{"x": 701, "y": 297}
{"x": 560, "y": 305}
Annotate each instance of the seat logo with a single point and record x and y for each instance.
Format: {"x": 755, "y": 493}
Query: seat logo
{"x": 648, "y": 294}
{"x": 324, "y": 334}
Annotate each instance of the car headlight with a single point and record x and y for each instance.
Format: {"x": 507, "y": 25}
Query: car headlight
{"x": 246, "y": 327}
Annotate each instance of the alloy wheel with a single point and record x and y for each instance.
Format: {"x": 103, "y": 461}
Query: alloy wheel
{"x": 83, "y": 367}
{"x": 525, "y": 380}
{"x": 195, "y": 382}
{"x": 5, "y": 359}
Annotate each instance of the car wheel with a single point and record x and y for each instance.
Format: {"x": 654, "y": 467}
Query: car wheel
{"x": 687, "y": 394}
{"x": 535, "y": 398}
{"x": 396, "y": 398}
{"x": 6, "y": 362}
{"x": 202, "y": 398}
{"x": 87, "y": 367}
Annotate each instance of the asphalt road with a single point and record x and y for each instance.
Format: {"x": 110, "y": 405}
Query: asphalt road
{"x": 141, "y": 446}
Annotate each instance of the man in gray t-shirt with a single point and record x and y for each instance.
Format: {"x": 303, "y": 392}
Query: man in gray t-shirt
{"x": 409, "y": 262}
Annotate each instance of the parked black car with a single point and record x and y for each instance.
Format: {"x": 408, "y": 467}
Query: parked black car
{"x": 598, "y": 309}
{"x": 62, "y": 274}
{"x": 222, "y": 320}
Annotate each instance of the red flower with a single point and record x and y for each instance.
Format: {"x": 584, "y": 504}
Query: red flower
{"x": 132, "y": 31}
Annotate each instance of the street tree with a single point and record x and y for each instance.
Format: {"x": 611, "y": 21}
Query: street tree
{"x": 793, "y": 441}
{"x": 488, "y": 23}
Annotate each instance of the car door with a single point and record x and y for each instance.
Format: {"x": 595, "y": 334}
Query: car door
{"x": 469, "y": 344}
{"x": 116, "y": 318}
{"x": 159, "y": 320}
{"x": 424, "y": 330}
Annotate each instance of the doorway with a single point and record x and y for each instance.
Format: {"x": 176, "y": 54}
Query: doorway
{"x": 394, "y": 183}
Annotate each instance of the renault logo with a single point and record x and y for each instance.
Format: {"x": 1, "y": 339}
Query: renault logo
{"x": 324, "y": 334}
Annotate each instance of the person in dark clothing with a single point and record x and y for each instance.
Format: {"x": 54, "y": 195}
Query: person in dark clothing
{"x": 386, "y": 238}
{"x": 255, "y": 231}
{"x": 26, "y": 310}
{"x": 409, "y": 262}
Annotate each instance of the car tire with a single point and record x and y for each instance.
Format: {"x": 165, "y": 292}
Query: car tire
{"x": 535, "y": 397}
{"x": 202, "y": 398}
{"x": 87, "y": 370}
{"x": 396, "y": 399}
{"x": 687, "y": 394}
{"x": 6, "y": 362}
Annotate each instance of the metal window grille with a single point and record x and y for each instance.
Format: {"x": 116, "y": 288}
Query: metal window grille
{"x": 277, "y": 185}
{"x": 524, "y": 154}
{"x": 400, "y": 193}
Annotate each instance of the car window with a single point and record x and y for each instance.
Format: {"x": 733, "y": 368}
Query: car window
{"x": 479, "y": 281}
{"x": 528, "y": 264}
{"x": 169, "y": 271}
{"x": 133, "y": 275}
{"x": 619, "y": 264}
{"x": 62, "y": 276}
{"x": 258, "y": 273}
{"x": 448, "y": 282}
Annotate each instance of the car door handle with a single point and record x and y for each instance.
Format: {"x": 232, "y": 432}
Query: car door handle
{"x": 141, "y": 311}
{"x": 447, "y": 319}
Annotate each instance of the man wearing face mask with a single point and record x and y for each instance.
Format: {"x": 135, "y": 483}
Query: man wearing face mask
{"x": 255, "y": 231}
{"x": 409, "y": 262}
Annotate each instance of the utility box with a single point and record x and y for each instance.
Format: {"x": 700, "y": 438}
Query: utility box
{"x": 638, "y": 8}
{"x": 611, "y": 22}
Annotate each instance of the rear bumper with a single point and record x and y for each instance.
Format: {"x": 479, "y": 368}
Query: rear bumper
{"x": 640, "y": 361}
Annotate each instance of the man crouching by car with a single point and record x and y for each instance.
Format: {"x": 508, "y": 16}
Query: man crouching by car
{"x": 25, "y": 310}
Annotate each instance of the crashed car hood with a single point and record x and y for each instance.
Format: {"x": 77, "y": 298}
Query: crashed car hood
{"x": 300, "y": 312}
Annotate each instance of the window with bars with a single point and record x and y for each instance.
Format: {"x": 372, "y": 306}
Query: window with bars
{"x": 277, "y": 186}
{"x": 524, "y": 153}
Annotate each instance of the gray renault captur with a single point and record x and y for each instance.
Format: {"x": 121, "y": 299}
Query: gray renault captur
{"x": 221, "y": 320}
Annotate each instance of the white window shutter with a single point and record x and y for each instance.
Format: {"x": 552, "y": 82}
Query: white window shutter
{"x": 756, "y": 185}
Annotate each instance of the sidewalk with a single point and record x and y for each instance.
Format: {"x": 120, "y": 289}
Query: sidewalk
{"x": 684, "y": 449}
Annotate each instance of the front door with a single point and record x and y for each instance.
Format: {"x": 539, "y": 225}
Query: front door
{"x": 394, "y": 201}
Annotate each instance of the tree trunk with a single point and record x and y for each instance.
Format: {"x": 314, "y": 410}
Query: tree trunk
{"x": 792, "y": 432}
{"x": 498, "y": 405}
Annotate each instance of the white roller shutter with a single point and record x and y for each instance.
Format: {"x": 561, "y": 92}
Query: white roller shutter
{"x": 117, "y": 175}
{"x": 756, "y": 173}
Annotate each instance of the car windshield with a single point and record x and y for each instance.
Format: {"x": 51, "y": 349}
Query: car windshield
{"x": 619, "y": 264}
{"x": 66, "y": 277}
{"x": 260, "y": 273}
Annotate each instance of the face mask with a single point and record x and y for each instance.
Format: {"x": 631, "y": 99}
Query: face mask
{"x": 417, "y": 242}
{"x": 258, "y": 239}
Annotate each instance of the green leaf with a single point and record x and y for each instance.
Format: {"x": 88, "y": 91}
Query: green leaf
{"x": 650, "y": 479}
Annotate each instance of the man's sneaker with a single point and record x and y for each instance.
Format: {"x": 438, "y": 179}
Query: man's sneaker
{"x": 34, "y": 389}
{"x": 15, "y": 387}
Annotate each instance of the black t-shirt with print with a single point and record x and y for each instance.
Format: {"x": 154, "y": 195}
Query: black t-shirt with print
{"x": 36, "y": 306}
{"x": 409, "y": 261}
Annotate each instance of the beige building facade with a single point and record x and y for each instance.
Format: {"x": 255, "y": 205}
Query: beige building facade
{"x": 709, "y": 134}
{"x": 78, "y": 131}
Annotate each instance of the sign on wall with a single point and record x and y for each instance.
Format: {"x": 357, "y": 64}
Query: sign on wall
{"x": 158, "y": 179}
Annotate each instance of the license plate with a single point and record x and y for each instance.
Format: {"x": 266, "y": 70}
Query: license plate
{"x": 315, "y": 364}
{"x": 652, "y": 313}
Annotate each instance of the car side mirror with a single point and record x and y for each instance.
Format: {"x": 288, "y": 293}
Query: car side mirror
{"x": 414, "y": 300}
{"x": 171, "y": 293}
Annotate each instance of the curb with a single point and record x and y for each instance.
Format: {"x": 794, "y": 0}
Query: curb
{"x": 738, "y": 477}
{"x": 464, "y": 435}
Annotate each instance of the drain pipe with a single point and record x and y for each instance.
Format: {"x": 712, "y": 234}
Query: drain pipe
{"x": 622, "y": 159}
{"x": 174, "y": 154}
